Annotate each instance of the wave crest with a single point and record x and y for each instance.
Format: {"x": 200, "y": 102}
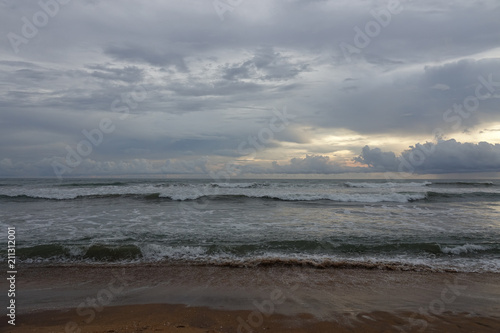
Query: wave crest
{"x": 461, "y": 249}
{"x": 386, "y": 185}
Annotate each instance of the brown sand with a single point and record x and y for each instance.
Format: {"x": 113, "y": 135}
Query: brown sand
{"x": 179, "y": 318}
{"x": 180, "y": 298}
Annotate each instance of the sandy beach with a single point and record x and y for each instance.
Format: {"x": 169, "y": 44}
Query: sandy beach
{"x": 184, "y": 298}
{"x": 179, "y": 318}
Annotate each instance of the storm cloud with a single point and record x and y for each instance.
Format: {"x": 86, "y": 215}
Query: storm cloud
{"x": 183, "y": 85}
{"x": 445, "y": 156}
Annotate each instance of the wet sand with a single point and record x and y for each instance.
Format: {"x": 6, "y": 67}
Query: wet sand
{"x": 179, "y": 318}
{"x": 181, "y": 298}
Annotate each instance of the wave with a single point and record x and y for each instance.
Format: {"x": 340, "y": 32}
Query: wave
{"x": 484, "y": 258}
{"x": 239, "y": 185}
{"x": 55, "y": 252}
{"x": 336, "y": 197}
{"x": 289, "y": 248}
{"x": 461, "y": 249}
{"x": 431, "y": 195}
{"x": 361, "y": 192}
{"x": 463, "y": 183}
{"x": 345, "y": 197}
{"x": 386, "y": 185}
{"x": 74, "y": 196}
{"x": 328, "y": 263}
{"x": 92, "y": 184}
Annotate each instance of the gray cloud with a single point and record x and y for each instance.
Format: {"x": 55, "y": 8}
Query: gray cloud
{"x": 212, "y": 84}
{"x": 141, "y": 54}
{"x": 377, "y": 159}
{"x": 445, "y": 156}
{"x": 266, "y": 64}
{"x": 316, "y": 164}
{"x": 130, "y": 74}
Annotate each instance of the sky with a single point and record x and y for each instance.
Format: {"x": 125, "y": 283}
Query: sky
{"x": 250, "y": 88}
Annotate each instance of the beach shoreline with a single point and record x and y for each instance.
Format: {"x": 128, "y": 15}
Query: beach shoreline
{"x": 107, "y": 298}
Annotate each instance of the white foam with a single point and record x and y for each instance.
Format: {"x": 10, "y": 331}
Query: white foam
{"x": 234, "y": 185}
{"x": 463, "y": 249}
{"x": 386, "y": 185}
{"x": 157, "y": 252}
{"x": 287, "y": 196}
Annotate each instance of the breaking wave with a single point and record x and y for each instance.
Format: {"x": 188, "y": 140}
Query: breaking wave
{"x": 463, "y": 183}
{"x": 461, "y": 249}
{"x": 336, "y": 197}
{"x": 384, "y": 257}
{"x": 386, "y": 185}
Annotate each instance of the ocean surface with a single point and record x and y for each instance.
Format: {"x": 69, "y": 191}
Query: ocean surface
{"x": 437, "y": 225}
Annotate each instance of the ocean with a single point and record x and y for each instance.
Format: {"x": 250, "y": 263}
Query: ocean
{"x": 415, "y": 225}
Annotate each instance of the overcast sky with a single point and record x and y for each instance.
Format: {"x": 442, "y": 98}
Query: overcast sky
{"x": 231, "y": 88}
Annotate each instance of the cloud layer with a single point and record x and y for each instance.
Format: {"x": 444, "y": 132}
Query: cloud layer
{"x": 185, "y": 86}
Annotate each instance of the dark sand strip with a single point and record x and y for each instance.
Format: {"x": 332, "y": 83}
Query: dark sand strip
{"x": 179, "y": 318}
